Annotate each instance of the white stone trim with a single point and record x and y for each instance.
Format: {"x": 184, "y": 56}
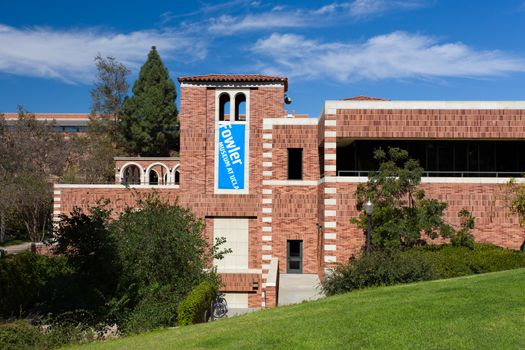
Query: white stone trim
{"x": 267, "y": 136}
{"x": 267, "y": 210}
{"x": 290, "y": 182}
{"x": 267, "y": 127}
{"x": 266, "y": 201}
{"x": 266, "y": 248}
{"x": 332, "y": 106}
{"x": 267, "y": 164}
{"x": 329, "y": 213}
{"x": 330, "y": 156}
{"x": 113, "y": 186}
{"x": 267, "y": 257}
{"x": 267, "y": 173}
{"x": 267, "y": 145}
{"x": 56, "y": 205}
{"x": 56, "y": 199}
{"x": 330, "y": 259}
{"x": 330, "y": 190}
{"x": 56, "y": 219}
{"x": 267, "y": 229}
{"x": 330, "y": 247}
{"x": 267, "y": 219}
{"x": 56, "y": 212}
{"x": 266, "y": 238}
{"x": 330, "y": 236}
{"x": 330, "y": 134}
{"x": 330, "y": 224}
{"x": 330, "y": 168}
{"x": 430, "y": 180}
{"x": 267, "y": 191}
{"x": 330, "y": 145}
{"x": 267, "y": 155}
{"x": 330, "y": 201}
{"x": 56, "y": 192}
{"x": 330, "y": 122}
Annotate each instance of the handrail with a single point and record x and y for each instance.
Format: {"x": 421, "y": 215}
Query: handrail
{"x": 439, "y": 173}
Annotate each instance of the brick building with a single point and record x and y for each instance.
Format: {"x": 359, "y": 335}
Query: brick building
{"x": 281, "y": 188}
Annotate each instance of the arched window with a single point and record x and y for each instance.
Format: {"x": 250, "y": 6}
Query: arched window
{"x": 177, "y": 177}
{"x": 153, "y": 177}
{"x": 240, "y": 107}
{"x": 224, "y": 107}
{"x": 131, "y": 175}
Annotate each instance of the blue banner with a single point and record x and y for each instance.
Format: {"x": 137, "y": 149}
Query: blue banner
{"x": 231, "y": 156}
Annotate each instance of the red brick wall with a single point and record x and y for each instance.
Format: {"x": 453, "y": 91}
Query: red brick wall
{"x": 494, "y": 223}
{"x": 451, "y": 124}
{"x": 120, "y": 197}
{"x": 295, "y": 212}
{"x": 300, "y": 136}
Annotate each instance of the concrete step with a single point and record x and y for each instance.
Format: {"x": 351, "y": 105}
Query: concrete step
{"x": 295, "y": 288}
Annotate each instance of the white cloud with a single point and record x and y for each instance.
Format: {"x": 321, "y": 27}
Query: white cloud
{"x": 367, "y": 8}
{"x": 281, "y": 17}
{"x": 68, "y": 55}
{"x": 228, "y": 25}
{"x": 395, "y": 55}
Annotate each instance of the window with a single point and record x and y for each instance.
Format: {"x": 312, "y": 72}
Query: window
{"x": 295, "y": 163}
{"x": 224, "y": 107}
{"x": 177, "y": 177}
{"x": 240, "y": 107}
{"x": 131, "y": 175}
{"x": 153, "y": 177}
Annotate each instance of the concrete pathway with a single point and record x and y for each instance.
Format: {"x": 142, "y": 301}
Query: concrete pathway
{"x": 18, "y": 248}
{"x": 295, "y": 288}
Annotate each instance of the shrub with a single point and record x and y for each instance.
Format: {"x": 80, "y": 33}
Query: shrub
{"x": 463, "y": 237}
{"x": 19, "y": 335}
{"x": 193, "y": 308}
{"x": 27, "y": 280}
{"x": 449, "y": 261}
{"x": 377, "y": 268}
{"x": 163, "y": 254}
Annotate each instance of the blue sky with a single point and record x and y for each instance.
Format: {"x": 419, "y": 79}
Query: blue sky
{"x": 397, "y": 49}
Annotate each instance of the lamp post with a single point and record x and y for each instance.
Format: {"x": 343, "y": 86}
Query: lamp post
{"x": 369, "y": 207}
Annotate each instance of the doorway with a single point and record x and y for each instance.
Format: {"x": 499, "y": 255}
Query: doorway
{"x": 294, "y": 257}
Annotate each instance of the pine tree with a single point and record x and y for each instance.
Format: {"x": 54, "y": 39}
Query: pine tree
{"x": 148, "y": 120}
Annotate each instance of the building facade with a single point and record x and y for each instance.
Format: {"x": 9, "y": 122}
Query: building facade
{"x": 281, "y": 188}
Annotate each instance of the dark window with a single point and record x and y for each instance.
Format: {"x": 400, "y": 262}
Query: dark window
{"x": 240, "y": 107}
{"x": 224, "y": 107}
{"x": 460, "y": 158}
{"x": 177, "y": 177}
{"x": 295, "y": 163}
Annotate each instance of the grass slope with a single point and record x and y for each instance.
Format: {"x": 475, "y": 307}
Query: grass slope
{"x": 475, "y": 312}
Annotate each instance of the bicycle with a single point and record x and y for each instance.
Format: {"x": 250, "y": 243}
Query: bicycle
{"x": 219, "y": 307}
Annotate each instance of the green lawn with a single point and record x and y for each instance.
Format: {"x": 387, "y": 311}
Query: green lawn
{"x": 475, "y": 312}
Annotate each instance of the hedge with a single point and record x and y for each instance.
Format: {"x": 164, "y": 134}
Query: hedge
{"x": 193, "y": 308}
{"x": 418, "y": 264}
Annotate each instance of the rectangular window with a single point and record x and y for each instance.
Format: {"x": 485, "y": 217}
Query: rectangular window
{"x": 295, "y": 163}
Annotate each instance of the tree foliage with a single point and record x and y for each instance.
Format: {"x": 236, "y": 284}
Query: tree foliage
{"x": 91, "y": 253}
{"x": 402, "y": 212}
{"x": 32, "y": 155}
{"x": 164, "y": 255}
{"x": 148, "y": 120}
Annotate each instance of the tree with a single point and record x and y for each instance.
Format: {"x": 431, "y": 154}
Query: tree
{"x": 90, "y": 248}
{"x": 32, "y": 155}
{"x": 164, "y": 255}
{"x": 516, "y": 202}
{"x": 401, "y": 211}
{"x": 148, "y": 120}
